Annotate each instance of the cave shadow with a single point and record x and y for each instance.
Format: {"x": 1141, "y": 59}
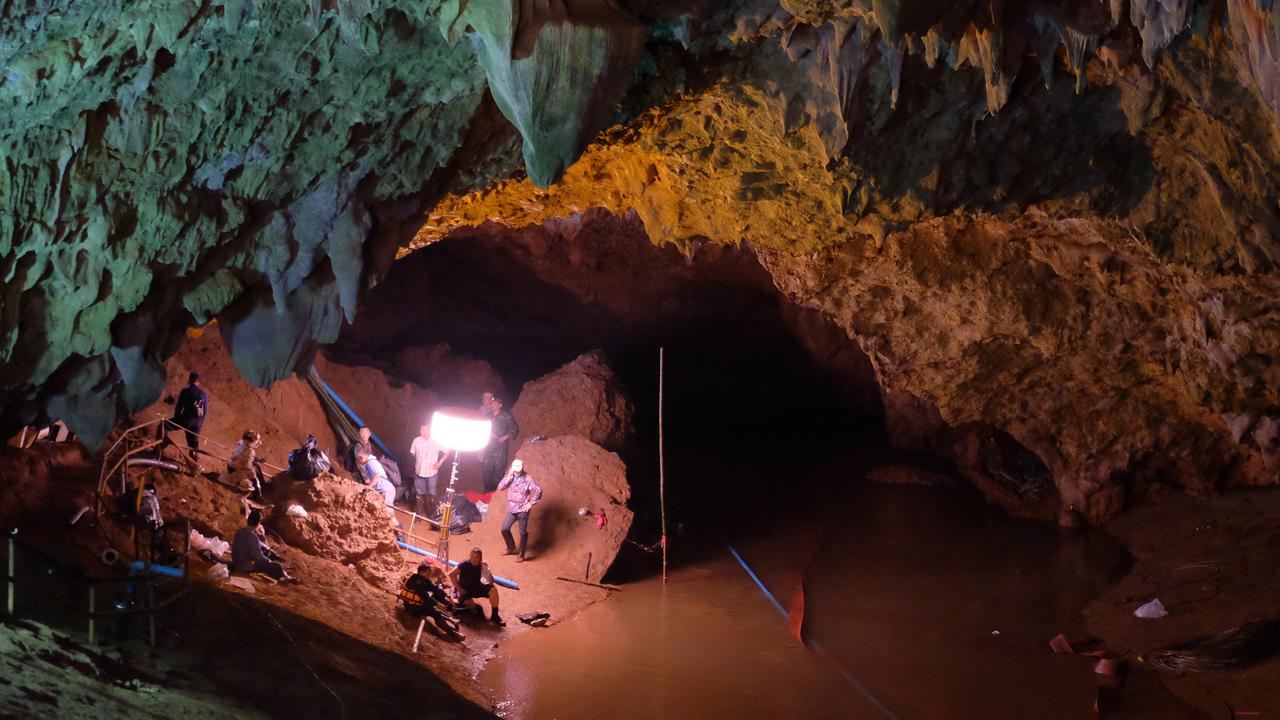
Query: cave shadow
{"x": 287, "y": 665}
{"x": 1044, "y": 144}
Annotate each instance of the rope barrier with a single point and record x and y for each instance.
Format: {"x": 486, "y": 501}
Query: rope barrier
{"x": 650, "y": 548}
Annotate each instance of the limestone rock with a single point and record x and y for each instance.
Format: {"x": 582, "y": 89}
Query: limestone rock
{"x": 584, "y": 397}
{"x": 346, "y": 522}
{"x": 574, "y": 473}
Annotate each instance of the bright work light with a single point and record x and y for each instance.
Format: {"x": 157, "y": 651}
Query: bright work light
{"x": 461, "y": 429}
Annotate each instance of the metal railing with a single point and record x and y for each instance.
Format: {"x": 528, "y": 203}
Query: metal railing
{"x": 42, "y": 582}
{"x": 146, "y": 438}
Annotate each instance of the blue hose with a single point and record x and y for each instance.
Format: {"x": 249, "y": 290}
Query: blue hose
{"x": 813, "y": 644}
{"x": 140, "y": 566}
{"x": 352, "y": 414}
{"x": 453, "y": 563}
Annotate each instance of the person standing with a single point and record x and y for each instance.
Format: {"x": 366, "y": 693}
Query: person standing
{"x": 504, "y": 430}
{"x": 243, "y": 468}
{"x": 522, "y": 494}
{"x": 428, "y": 456}
{"x": 189, "y": 412}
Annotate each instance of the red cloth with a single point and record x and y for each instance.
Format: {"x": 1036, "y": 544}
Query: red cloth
{"x": 478, "y": 497}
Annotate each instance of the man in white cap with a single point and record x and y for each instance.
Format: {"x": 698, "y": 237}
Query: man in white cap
{"x": 522, "y": 494}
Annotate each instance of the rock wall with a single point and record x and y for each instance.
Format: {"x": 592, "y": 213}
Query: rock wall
{"x": 583, "y": 397}
{"x": 1058, "y": 220}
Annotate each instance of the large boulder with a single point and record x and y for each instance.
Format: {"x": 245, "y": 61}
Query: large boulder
{"x": 574, "y": 473}
{"x": 583, "y": 397}
{"x": 345, "y": 522}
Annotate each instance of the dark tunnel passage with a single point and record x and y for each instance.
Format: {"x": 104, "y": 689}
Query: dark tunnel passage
{"x": 748, "y": 374}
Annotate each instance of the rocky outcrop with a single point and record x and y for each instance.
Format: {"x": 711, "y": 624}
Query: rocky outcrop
{"x": 1113, "y": 367}
{"x": 574, "y": 473}
{"x": 897, "y": 165}
{"x": 583, "y": 397}
{"x": 345, "y": 522}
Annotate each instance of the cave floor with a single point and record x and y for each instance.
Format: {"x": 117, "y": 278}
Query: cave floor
{"x": 1212, "y": 563}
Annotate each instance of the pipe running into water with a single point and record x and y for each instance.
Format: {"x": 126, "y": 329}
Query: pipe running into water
{"x": 810, "y": 643}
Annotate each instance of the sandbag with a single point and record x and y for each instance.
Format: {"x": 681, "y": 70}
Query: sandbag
{"x": 308, "y": 461}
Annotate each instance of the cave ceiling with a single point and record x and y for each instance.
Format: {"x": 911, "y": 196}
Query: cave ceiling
{"x": 1058, "y": 218}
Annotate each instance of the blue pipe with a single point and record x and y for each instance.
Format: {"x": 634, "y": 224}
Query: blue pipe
{"x": 352, "y": 414}
{"x": 452, "y": 563}
{"x": 809, "y": 642}
{"x": 140, "y": 566}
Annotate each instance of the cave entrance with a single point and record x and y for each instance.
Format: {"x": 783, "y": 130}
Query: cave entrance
{"x": 750, "y": 376}
{"x": 773, "y": 419}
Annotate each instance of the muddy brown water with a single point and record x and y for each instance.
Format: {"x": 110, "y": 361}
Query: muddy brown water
{"x": 924, "y": 599}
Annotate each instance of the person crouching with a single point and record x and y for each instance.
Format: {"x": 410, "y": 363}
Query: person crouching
{"x": 423, "y": 597}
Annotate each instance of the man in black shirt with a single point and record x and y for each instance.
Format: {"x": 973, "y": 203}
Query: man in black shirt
{"x": 504, "y": 431}
{"x": 473, "y": 580}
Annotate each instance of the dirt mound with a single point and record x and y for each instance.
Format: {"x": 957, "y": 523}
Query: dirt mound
{"x": 574, "y": 473}
{"x": 284, "y": 414}
{"x": 583, "y": 397}
{"x": 44, "y": 484}
{"x": 345, "y": 522}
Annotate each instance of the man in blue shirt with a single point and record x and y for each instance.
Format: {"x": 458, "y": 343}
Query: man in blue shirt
{"x": 377, "y": 479}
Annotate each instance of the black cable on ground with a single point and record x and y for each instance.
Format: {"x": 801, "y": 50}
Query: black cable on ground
{"x": 1226, "y": 650}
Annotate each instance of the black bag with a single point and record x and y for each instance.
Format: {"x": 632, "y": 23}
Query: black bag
{"x": 464, "y": 513}
{"x": 393, "y": 470}
{"x": 308, "y": 461}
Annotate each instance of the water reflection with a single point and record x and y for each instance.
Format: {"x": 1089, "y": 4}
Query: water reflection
{"x": 903, "y": 588}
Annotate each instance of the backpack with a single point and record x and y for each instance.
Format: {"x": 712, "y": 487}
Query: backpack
{"x": 190, "y": 404}
{"x": 308, "y": 461}
{"x": 393, "y": 470}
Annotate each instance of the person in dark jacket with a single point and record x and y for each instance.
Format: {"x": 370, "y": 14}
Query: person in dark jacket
{"x": 189, "y": 413}
{"x": 504, "y": 431}
{"x": 424, "y": 597}
{"x": 362, "y": 445}
{"x": 250, "y": 555}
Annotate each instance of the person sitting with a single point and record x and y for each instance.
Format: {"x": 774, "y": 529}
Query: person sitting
{"x": 424, "y": 598}
{"x": 473, "y": 580}
{"x": 249, "y": 554}
{"x": 243, "y": 469}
